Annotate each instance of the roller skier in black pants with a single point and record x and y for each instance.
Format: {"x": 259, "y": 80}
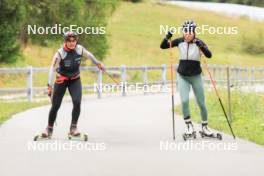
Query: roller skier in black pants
{"x": 66, "y": 62}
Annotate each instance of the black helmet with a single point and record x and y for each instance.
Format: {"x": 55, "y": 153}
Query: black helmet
{"x": 189, "y": 26}
{"x": 69, "y": 34}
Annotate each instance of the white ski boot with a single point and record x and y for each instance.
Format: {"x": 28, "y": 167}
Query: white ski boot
{"x": 206, "y": 132}
{"x": 189, "y": 132}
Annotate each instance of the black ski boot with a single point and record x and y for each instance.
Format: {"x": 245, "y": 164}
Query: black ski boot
{"x": 74, "y": 134}
{"x": 47, "y": 134}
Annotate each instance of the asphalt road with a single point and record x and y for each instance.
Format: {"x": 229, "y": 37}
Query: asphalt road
{"x": 127, "y": 137}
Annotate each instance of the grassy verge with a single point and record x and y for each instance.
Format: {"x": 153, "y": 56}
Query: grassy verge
{"x": 134, "y": 37}
{"x": 8, "y": 109}
{"x": 247, "y": 114}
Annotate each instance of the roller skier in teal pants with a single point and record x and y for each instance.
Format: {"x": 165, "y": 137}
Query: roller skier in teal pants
{"x": 189, "y": 73}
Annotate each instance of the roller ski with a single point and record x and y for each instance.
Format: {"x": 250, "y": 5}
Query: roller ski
{"x": 207, "y": 133}
{"x": 47, "y": 134}
{"x": 189, "y": 133}
{"x": 75, "y": 135}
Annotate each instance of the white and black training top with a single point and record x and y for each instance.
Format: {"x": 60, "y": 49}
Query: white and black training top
{"x": 189, "y": 54}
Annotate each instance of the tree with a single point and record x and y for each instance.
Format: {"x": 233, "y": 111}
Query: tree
{"x": 82, "y": 13}
{"x": 11, "y": 15}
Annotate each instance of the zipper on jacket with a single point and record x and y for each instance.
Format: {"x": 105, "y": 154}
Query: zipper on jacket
{"x": 188, "y": 52}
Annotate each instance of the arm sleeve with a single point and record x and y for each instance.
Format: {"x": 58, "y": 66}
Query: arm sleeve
{"x": 165, "y": 43}
{"x": 89, "y": 55}
{"x": 52, "y": 70}
{"x": 204, "y": 48}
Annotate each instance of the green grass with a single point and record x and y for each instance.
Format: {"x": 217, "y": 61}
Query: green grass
{"x": 247, "y": 114}
{"x": 135, "y": 37}
{"x": 8, "y": 109}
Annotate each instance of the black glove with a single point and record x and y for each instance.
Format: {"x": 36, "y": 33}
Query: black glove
{"x": 199, "y": 43}
{"x": 49, "y": 90}
{"x": 169, "y": 35}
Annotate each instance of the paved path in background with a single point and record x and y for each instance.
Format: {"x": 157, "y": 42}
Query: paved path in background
{"x": 252, "y": 12}
{"x": 131, "y": 129}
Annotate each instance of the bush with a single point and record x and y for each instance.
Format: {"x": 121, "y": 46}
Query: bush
{"x": 92, "y": 13}
{"x": 15, "y": 16}
{"x": 11, "y": 13}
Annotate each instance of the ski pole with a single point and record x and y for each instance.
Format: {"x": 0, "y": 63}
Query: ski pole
{"x": 172, "y": 90}
{"x": 111, "y": 77}
{"x": 219, "y": 98}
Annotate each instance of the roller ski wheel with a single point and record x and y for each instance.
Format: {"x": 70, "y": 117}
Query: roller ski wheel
{"x": 214, "y": 135}
{"x": 75, "y": 135}
{"x": 219, "y": 136}
{"x": 47, "y": 134}
{"x": 40, "y": 137}
{"x": 80, "y": 136}
{"x": 189, "y": 136}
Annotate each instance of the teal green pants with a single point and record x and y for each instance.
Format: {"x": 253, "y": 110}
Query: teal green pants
{"x": 184, "y": 85}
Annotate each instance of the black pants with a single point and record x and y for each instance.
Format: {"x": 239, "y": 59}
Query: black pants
{"x": 75, "y": 89}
